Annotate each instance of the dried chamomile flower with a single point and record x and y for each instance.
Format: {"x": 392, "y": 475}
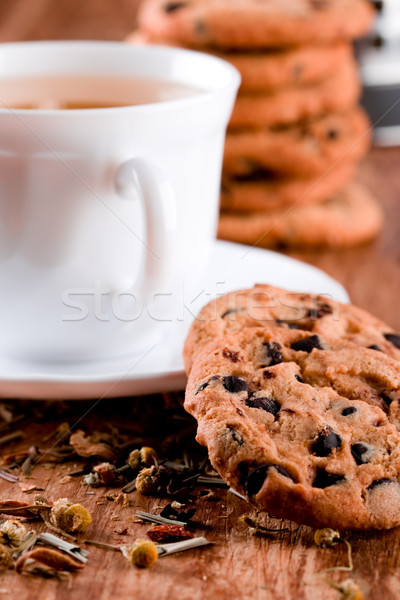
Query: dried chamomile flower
{"x": 134, "y": 460}
{"x": 326, "y": 537}
{"x": 145, "y": 457}
{"x": 106, "y": 473}
{"x": 148, "y": 480}
{"x": 349, "y": 590}
{"x": 69, "y": 517}
{"x": 6, "y": 557}
{"x": 12, "y": 533}
{"x": 148, "y": 456}
{"x": 142, "y": 553}
{"x": 91, "y": 479}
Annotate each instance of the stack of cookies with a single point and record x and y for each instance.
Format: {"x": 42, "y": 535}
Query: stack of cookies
{"x": 297, "y": 399}
{"x": 297, "y": 133}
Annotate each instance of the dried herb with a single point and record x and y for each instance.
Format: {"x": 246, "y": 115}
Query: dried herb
{"x": 171, "y": 513}
{"x": 12, "y": 533}
{"x": 144, "y": 516}
{"x": 11, "y": 437}
{"x": 145, "y": 457}
{"x": 72, "y": 549}
{"x": 91, "y": 479}
{"x": 326, "y": 537}
{"x": 212, "y": 481}
{"x": 6, "y": 557}
{"x": 348, "y": 589}
{"x": 166, "y": 549}
{"x": 148, "y": 481}
{"x": 8, "y": 476}
{"x": 21, "y": 509}
{"x": 168, "y": 533}
{"x": 50, "y": 558}
{"x": 69, "y": 517}
{"x": 85, "y": 447}
{"x": 257, "y": 528}
{"x": 105, "y": 473}
{"x": 142, "y": 553}
{"x": 29, "y": 461}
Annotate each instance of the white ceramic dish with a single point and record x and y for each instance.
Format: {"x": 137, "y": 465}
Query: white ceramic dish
{"x": 160, "y": 369}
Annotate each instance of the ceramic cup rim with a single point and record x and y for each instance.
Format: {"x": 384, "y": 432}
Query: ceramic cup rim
{"x": 227, "y": 85}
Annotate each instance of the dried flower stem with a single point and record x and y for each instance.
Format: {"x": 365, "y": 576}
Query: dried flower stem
{"x": 10, "y": 437}
{"x": 165, "y": 549}
{"x": 102, "y": 545}
{"x": 235, "y": 493}
{"x": 72, "y": 549}
{"x": 8, "y": 476}
{"x": 212, "y": 481}
{"x": 129, "y": 487}
{"x": 157, "y": 519}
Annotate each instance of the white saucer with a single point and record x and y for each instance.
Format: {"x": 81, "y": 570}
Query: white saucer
{"x": 232, "y": 266}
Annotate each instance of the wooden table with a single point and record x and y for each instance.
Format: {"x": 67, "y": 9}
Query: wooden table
{"x": 238, "y": 566}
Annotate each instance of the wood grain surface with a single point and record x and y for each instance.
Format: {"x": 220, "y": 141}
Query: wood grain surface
{"x": 238, "y": 566}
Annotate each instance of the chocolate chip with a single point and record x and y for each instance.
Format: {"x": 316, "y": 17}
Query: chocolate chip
{"x": 375, "y": 347}
{"x": 231, "y": 311}
{"x": 206, "y": 384}
{"x": 230, "y": 355}
{"x": 297, "y": 71}
{"x": 269, "y": 375}
{"x": 323, "y": 479}
{"x": 273, "y": 352}
{"x": 235, "y": 435}
{"x": 234, "y": 385}
{"x": 378, "y": 482}
{"x": 326, "y": 441}
{"x": 299, "y": 379}
{"x": 268, "y": 404}
{"x": 173, "y": 6}
{"x": 308, "y": 344}
{"x": 349, "y": 411}
{"x": 288, "y": 324}
{"x": 319, "y": 4}
{"x": 332, "y": 134}
{"x": 387, "y": 400}
{"x": 243, "y": 471}
{"x": 256, "y": 478}
{"x": 200, "y": 27}
{"x": 360, "y": 453}
{"x": 320, "y": 310}
{"x": 394, "y": 338}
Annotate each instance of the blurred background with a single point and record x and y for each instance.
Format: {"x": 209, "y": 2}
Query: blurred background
{"x": 370, "y": 272}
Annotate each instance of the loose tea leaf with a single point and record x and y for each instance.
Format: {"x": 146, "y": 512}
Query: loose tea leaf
{"x": 49, "y": 557}
{"x": 84, "y": 447}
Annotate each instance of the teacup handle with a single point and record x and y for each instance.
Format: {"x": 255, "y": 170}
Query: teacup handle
{"x": 139, "y": 177}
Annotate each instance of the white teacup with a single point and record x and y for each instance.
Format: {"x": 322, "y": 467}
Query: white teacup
{"x": 103, "y": 210}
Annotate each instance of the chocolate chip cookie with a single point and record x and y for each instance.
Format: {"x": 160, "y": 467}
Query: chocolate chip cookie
{"x": 346, "y": 219}
{"x": 305, "y": 149}
{"x": 266, "y": 191}
{"x": 254, "y": 24}
{"x": 285, "y": 106}
{"x": 303, "y": 426}
{"x": 275, "y": 68}
{"x": 271, "y": 307}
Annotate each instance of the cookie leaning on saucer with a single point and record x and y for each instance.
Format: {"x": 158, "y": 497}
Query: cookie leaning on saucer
{"x": 285, "y": 106}
{"x": 254, "y": 24}
{"x": 346, "y": 219}
{"x": 299, "y": 425}
{"x": 270, "y": 307}
{"x": 308, "y": 148}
